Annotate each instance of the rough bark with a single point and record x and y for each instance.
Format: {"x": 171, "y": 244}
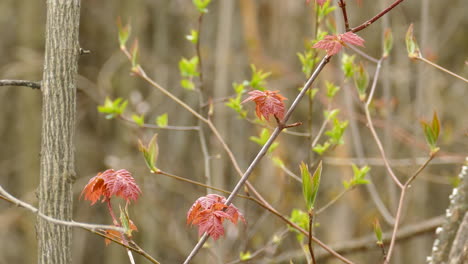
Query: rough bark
{"x": 58, "y": 117}
{"x": 451, "y": 244}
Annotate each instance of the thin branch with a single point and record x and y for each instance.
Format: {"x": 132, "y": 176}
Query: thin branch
{"x": 145, "y": 77}
{"x": 441, "y": 68}
{"x": 342, "y": 5}
{"x": 372, "y": 129}
{"x": 332, "y": 201}
{"x": 30, "y": 84}
{"x": 262, "y": 153}
{"x": 179, "y": 128}
{"x": 363, "y": 54}
{"x": 319, "y": 134}
{"x": 309, "y": 244}
{"x": 400, "y": 205}
{"x": 10, "y": 198}
{"x": 368, "y": 242}
{"x": 376, "y": 17}
{"x": 135, "y": 248}
{"x": 291, "y": 174}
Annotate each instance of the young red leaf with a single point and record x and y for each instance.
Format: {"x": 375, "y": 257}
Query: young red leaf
{"x": 114, "y": 234}
{"x": 94, "y": 189}
{"x": 267, "y": 103}
{"x": 332, "y": 44}
{"x": 209, "y": 212}
{"x": 121, "y": 183}
{"x": 110, "y": 182}
{"x": 351, "y": 38}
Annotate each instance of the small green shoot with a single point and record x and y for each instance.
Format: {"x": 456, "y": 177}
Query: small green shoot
{"x": 361, "y": 81}
{"x": 411, "y": 44}
{"x": 431, "y": 132}
{"x": 358, "y": 177}
{"x": 162, "y": 120}
{"x": 150, "y": 152}
{"x": 139, "y": 120}
{"x": 387, "y": 42}
{"x": 310, "y": 184}
{"x": 114, "y": 108}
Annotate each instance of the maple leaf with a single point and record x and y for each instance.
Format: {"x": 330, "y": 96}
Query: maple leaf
{"x": 209, "y": 212}
{"x": 110, "y": 182}
{"x": 121, "y": 183}
{"x": 94, "y": 189}
{"x": 267, "y": 103}
{"x": 333, "y": 43}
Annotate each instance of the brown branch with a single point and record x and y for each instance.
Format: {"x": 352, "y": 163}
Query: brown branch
{"x": 368, "y": 242}
{"x": 311, "y": 249}
{"x": 376, "y": 17}
{"x": 400, "y": 205}
{"x": 342, "y": 5}
{"x": 30, "y": 84}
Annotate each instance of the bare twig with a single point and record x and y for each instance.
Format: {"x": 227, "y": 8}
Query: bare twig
{"x": 342, "y": 5}
{"x": 309, "y": 244}
{"x": 372, "y": 129}
{"x": 179, "y": 128}
{"x": 368, "y": 242}
{"x": 363, "y": 54}
{"x": 332, "y": 201}
{"x": 376, "y": 17}
{"x": 134, "y": 247}
{"x": 31, "y": 84}
{"x": 421, "y": 58}
{"x": 10, "y": 198}
{"x": 400, "y": 205}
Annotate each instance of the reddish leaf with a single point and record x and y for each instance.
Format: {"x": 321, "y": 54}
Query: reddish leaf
{"x": 209, "y": 212}
{"x": 333, "y": 44}
{"x": 94, "y": 189}
{"x": 321, "y": 2}
{"x": 267, "y": 103}
{"x": 351, "y": 38}
{"x": 121, "y": 183}
{"x": 114, "y": 234}
{"x": 110, "y": 182}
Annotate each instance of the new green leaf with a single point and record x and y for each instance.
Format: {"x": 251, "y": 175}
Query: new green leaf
{"x": 150, "y": 152}
{"x": 310, "y": 184}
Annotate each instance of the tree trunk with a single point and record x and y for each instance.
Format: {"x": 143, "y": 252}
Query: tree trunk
{"x": 58, "y": 126}
{"x": 450, "y": 245}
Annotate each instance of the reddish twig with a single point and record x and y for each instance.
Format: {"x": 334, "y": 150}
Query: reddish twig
{"x": 376, "y": 17}
{"x": 342, "y": 5}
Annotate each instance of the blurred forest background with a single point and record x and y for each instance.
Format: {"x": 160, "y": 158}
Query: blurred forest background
{"x": 235, "y": 34}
